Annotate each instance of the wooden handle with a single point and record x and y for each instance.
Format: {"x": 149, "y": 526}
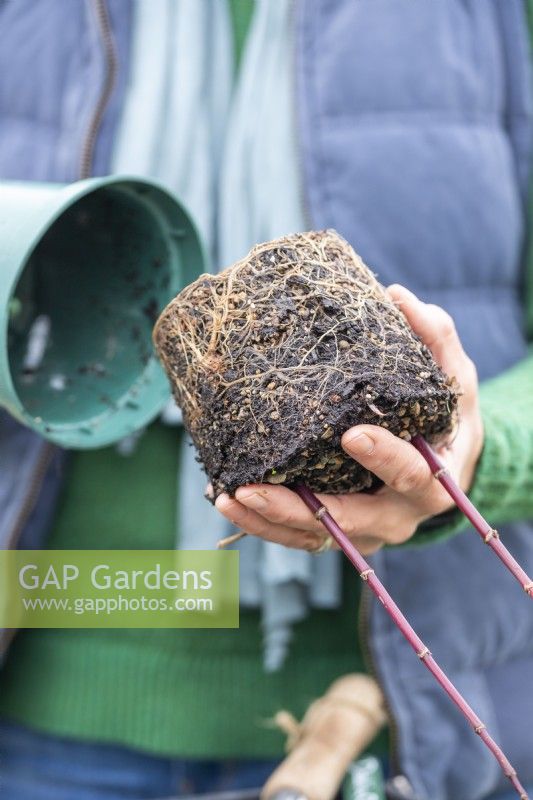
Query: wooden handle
{"x": 335, "y": 729}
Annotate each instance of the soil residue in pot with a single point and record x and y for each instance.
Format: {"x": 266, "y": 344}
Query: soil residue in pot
{"x": 274, "y": 358}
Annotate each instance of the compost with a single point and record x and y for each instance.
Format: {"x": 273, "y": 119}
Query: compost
{"x": 274, "y": 358}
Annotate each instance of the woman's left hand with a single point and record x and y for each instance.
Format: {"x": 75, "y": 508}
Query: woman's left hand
{"x": 410, "y": 493}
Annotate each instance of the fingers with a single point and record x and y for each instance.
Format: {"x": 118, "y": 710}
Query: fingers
{"x": 279, "y": 505}
{"x": 434, "y": 325}
{"x": 387, "y": 519}
{"x": 437, "y": 330}
{"x": 304, "y": 539}
{"x": 368, "y": 545}
{"x": 255, "y": 524}
{"x": 355, "y": 513}
{"x": 392, "y": 459}
{"x": 369, "y": 520}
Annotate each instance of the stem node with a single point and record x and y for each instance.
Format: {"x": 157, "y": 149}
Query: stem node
{"x": 362, "y": 567}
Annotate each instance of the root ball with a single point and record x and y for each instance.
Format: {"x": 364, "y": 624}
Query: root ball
{"x": 274, "y": 358}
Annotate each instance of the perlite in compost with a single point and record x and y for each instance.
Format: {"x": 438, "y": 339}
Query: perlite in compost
{"x": 274, "y": 358}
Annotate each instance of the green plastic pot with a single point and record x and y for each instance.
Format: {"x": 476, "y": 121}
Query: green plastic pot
{"x": 85, "y": 270}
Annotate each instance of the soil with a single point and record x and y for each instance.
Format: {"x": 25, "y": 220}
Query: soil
{"x": 274, "y": 358}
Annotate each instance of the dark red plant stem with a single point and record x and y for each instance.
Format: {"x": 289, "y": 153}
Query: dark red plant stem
{"x": 489, "y": 535}
{"x": 367, "y": 574}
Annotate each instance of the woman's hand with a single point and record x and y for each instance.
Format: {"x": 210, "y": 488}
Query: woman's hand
{"x": 410, "y": 494}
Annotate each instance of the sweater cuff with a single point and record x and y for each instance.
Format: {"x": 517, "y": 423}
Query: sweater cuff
{"x": 503, "y": 483}
{"x": 443, "y": 526}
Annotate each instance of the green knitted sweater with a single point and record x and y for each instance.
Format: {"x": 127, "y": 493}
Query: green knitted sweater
{"x": 204, "y": 693}
{"x": 180, "y": 692}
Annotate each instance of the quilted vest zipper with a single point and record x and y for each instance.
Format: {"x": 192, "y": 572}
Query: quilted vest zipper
{"x": 86, "y": 163}
{"x": 101, "y": 13}
{"x": 32, "y": 493}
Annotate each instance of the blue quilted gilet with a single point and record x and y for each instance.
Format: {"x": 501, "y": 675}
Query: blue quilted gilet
{"x": 50, "y": 90}
{"x": 415, "y": 127}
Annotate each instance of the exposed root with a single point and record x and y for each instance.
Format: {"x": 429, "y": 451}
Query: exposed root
{"x": 272, "y": 359}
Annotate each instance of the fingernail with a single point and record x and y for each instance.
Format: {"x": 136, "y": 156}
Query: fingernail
{"x": 252, "y": 500}
{"x": 361, "y": 444}
{"x": 400, "y": 293}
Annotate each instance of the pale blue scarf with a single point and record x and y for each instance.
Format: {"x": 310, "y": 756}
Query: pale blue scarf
{"x": 182, "y": 126}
